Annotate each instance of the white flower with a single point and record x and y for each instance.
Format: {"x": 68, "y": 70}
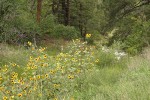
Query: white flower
{"x": 118, "y": 58}
{"x": 104, "y": 49}
{"x": 119, "y": 54}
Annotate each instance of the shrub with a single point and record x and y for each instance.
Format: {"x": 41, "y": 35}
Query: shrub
{"x": 47, "y": 25}
{"x": 134, "y": 33}
{"x": 65, "y": 32}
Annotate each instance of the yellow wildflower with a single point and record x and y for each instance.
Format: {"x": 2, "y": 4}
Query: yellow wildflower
{"x": 19, "y": 81}
{"x": 88, "y": 35}
{"x": 31, "y": 79}
{"x": 46, "y": 65}
{"x": 78, "y": 71}
{"x": 1, "y": 78}
{"x": 42, "y": 65}
{"x": 55, "y": 99}
{"x": 4, "y": 70}
{"x": 52, "y": 71}
{"x": 30, "y": 91}
{"x": 73, "y": 59}
{"x": 36, "y": 59}
{"x": 7, "y": 92}
{"x": 1, "y": 88}
{"x": 14, "y": 65}
{"x": 19, "y": 95}
{"x": 72, "y": 98}
{"x": 12, "y": 97}
{"x": 40, "y": 95}
{"x": 16, "y": 75}
{"x": 45, "y": 56}
{"x": 70, "y": 76}
{"x": 38, "y": 77}
{"x": 31, "y": 57}
{"x": 28, "y": 68}
{"x": 29, "y": 43}
{"x": 32, "y": 67}
{"x": 24, "y": 91}
{"x": 22, "y": 83}
{"x": 12, "y": 81}
{"x": 35, "y": 88}
{"x": 42, "y": 49}
{"x": 56, "y": 85}
{"x": 5, "y": 98}
{"x": 46, "y": 75}
{"x": 97, "y": 60}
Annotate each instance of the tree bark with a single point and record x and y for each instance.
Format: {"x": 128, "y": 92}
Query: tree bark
{"x": 67, "y": 13}
{"x": 63, "y": 4}
{"x": 39, "y": 9}
{"x": 80, "y": 20}
{"x": 55, "y": 5}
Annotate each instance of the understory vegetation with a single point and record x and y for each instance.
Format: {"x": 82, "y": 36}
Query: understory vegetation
{"x": 126, "y": 22}
{"x": 78, "y": 72}
{"x": 74, "y": 49}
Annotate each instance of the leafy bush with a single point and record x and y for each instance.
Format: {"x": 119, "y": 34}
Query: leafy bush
{"x": 139, "y": 38}
{"x": 65, "y": 32}
{"x": 47, "y": 25}
{"x": 134, "y": 34}
{"x": 17, "y": 24}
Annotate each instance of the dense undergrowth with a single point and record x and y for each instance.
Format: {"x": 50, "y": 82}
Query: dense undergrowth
{"x": 77, "y": 72}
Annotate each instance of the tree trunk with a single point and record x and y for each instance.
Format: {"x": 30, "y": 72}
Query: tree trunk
{"x": 38, "y": 18}
{"x": 85, "y": 32}
{"x": 55, "y": 6}
{"x": 39, "y": 8}
{"x": 67, "y": 13}
{"x": 63, "y": 12}
{"x": 80, "y": 20}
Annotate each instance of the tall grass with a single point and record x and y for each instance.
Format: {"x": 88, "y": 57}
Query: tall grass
{"x": 16, "y": 54}
{"x": 132, "y": 83}
{"x": 126, "y": 78}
